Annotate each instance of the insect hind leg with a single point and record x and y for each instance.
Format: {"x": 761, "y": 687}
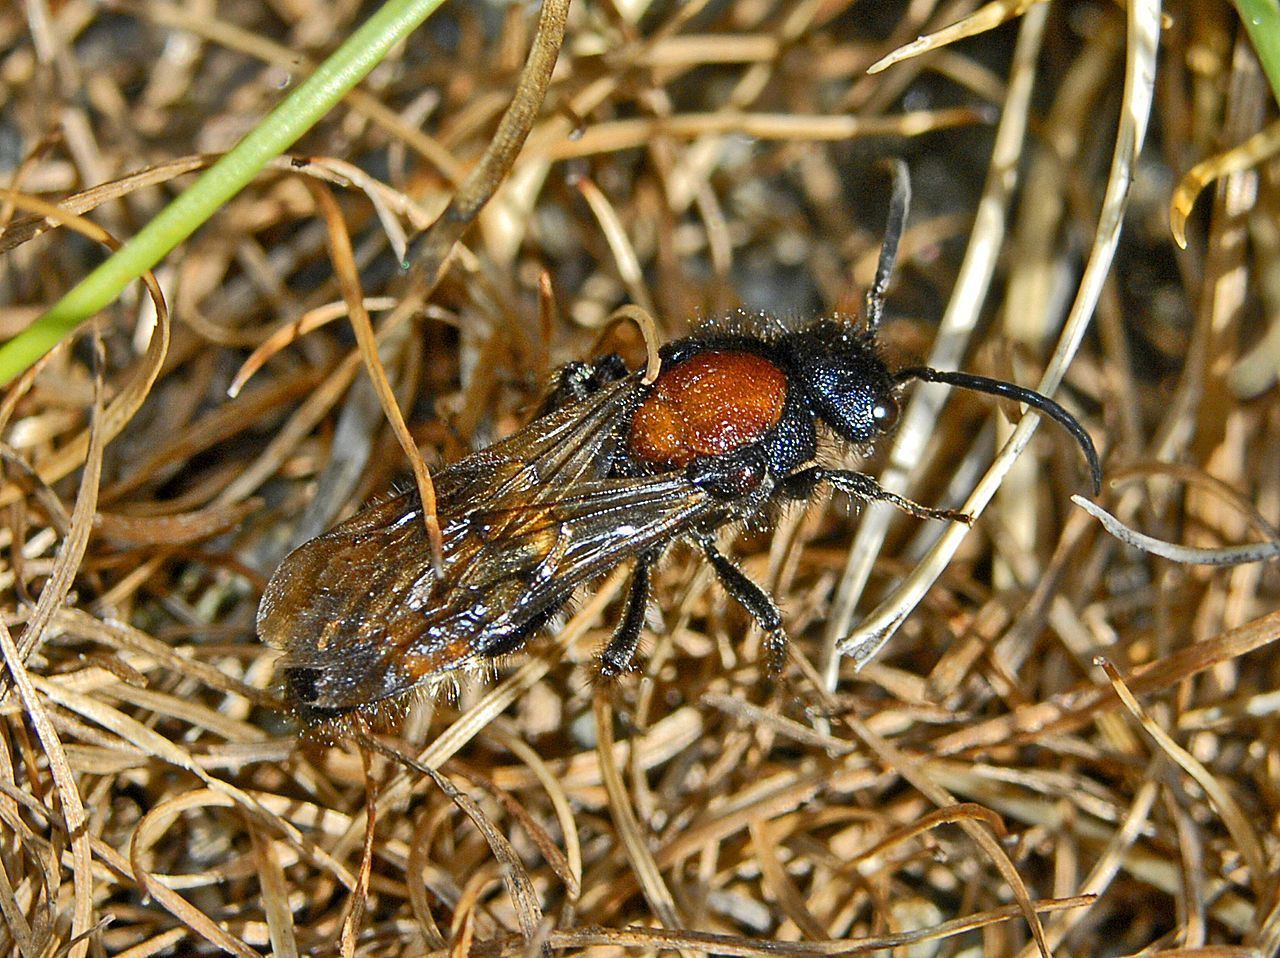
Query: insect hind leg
{"x": 619, "y": 654}
{"x": 752, "y": 598}
{"x": 499, "y": 643}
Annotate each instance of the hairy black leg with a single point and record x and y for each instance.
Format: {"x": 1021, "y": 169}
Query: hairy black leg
{"x": 621, "y": 650}
{"x": 752, "y": 598}
{"x": 503, "y": 643}
{"x": 800, "y": 485}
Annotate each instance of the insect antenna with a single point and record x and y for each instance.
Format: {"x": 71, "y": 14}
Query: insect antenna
{"x": 998, "y": 387}
{"x": 899, "y": 204}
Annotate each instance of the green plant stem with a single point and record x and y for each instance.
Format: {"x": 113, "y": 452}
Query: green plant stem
{"x": 1261, "y": 19}
{"x": 314, "y": 97}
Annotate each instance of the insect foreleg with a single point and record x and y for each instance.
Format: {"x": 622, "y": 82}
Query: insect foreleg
{"x": 800, "y": 485}
{"x": 752, "y": 598}
{"x": 621, "y": 650}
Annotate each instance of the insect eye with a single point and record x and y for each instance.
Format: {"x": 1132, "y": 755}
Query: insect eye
{"x": 885, "y": 413}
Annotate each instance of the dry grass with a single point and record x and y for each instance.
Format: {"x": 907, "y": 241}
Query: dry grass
{"x": 1063, "y": 738}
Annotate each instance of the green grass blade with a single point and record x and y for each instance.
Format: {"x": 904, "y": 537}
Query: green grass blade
{"x": 313, "y": 98}
{"x": 1261, "y": 19}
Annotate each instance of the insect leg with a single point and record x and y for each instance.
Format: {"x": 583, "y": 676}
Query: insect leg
{"x": 510, "y": 640}
{"x": 752, "y": 598}
{"x": 621, "y": 650}
{"x": 800, "y": 485}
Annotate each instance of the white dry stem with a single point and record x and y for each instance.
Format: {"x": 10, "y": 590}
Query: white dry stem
{"x": 954, "y": 331}
{"x": 1140, "y": 62}
{"x": 1188, "y": 555}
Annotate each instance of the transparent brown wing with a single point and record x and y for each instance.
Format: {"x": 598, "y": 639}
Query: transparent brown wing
{"x": 552, "y": 452}
{"x": 359, "y": 610}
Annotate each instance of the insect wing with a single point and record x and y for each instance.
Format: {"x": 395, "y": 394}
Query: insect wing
{"x": 576, "y": 538}
{"x": 519, "y": 564}
{"x": 510, "y": 570}
{"x": 551, "y": 453}
{"x": 359, "y": 611}
{"x": 327, "y": 604}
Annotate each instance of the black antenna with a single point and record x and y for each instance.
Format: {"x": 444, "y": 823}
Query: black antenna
{"x": 1022, "y": 394}
{"x": 899, "y": 204}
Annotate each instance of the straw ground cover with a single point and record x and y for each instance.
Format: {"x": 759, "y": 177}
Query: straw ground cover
{"x": 1023, "y": 737}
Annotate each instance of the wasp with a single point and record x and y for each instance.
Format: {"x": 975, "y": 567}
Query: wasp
{"x": 614, "y": 469}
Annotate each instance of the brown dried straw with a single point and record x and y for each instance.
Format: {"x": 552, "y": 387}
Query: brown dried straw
{"x": 1068, "y": 745}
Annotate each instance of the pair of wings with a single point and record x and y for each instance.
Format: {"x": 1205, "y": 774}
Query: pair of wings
{"x": 361, "y": 611}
